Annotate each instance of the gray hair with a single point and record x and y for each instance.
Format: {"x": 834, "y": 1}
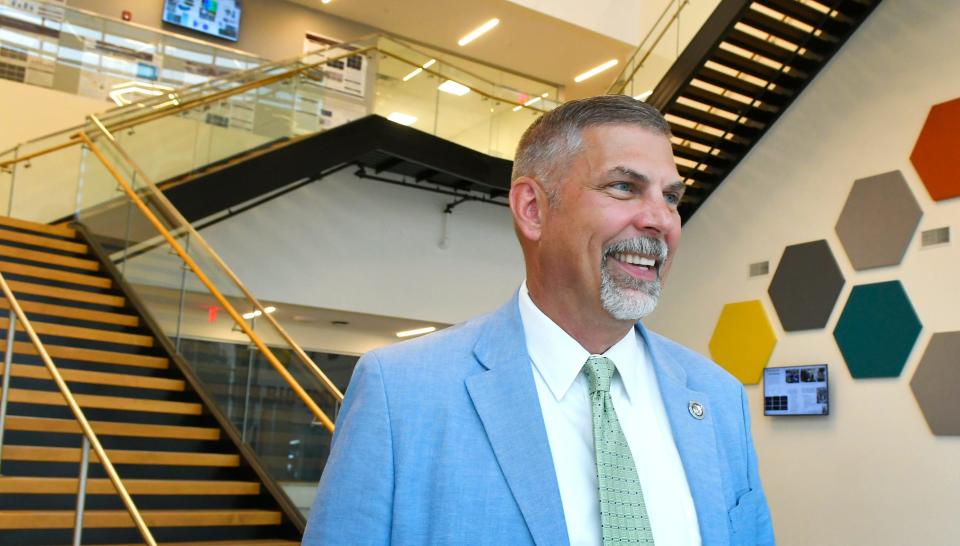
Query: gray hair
{"x": 553, "y": 140}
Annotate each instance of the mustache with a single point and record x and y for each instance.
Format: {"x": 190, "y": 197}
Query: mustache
{"x": 650, "y": 246}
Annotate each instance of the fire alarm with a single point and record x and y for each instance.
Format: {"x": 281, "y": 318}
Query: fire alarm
{"x": 126, "y": 15}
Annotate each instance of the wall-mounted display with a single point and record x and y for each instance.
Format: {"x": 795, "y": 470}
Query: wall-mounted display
{"x": 796, "y": 390}
{"x": 805, "y": 286}
{"x": 220, "y": 18}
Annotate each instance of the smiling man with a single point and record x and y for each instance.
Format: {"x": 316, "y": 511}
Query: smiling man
{"x": 557, "y": 419}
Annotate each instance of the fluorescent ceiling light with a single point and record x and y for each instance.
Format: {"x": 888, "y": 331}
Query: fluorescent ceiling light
{"x": 454, "y": 88}
{"x": 416, "y": 332}
{"x": 418, "y": 70}
{"x": 402, "y": 119}
{"x": 119, "y": 91}
{"x": 534, "y": 100}
{"x": 596, "y": 70}
{"x": 478, "y": 32}
{"x": 256, "y": 313}
{"x": 645, "y": 95}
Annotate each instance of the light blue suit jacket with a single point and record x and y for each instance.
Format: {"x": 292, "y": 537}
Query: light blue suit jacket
{"x": 441, "y": 441}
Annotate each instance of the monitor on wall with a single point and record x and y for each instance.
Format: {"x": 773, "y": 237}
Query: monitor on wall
{"x": 220, "y": 18}
{"x": 796, "y": 390}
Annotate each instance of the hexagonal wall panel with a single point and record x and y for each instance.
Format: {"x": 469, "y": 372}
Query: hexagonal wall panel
{"x": 935, "y": 153}
{"x": 877, "y": 330}
{"x": 743, "y": 340}
{"x": 805, "y": 286}
{"x": 878, "y": 221}
{"x": 936, "y": 383}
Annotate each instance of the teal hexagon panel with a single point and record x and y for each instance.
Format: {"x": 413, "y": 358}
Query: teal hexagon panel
{"x": 877, "y": 329}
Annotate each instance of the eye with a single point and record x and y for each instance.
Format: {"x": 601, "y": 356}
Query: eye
{"x": 622, "y": 186}
{"x": 672, "y": 198}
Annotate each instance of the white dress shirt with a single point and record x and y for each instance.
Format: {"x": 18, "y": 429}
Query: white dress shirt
{"x": 558, "y": 361}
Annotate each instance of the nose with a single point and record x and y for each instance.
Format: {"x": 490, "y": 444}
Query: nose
{"x": 654, "y": 215}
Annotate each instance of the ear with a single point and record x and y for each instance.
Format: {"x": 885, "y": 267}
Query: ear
{"x": 528, "y": 203}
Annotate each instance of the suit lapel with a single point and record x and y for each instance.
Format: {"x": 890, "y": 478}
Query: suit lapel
{"x": 505, "y": 398}
{"x": 696, "y": 442}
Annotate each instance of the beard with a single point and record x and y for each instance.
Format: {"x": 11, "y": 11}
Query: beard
{"x": 623, "y": 296}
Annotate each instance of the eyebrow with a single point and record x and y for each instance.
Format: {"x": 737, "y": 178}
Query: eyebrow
{"x": 620, "y": 170}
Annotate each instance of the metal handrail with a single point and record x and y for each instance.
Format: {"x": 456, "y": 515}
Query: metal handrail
{"x": 620, "y": 82}
{"x": 88, "y": 433}
{"x": 171, "y": 212}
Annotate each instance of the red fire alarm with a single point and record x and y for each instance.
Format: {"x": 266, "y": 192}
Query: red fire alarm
{"x": 126, "y": 15}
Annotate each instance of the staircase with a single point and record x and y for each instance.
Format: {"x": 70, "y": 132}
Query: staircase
{"x": 184, "y": 471}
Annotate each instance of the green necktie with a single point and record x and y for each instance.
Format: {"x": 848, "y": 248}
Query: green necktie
{"x": 623, "y": 514}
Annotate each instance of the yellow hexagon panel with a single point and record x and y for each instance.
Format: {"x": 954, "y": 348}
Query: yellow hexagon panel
{"x": 743, "y": 340}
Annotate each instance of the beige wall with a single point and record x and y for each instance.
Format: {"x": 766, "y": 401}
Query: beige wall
{"x": 871, "y": 472}
{"x": 27, "y": 111}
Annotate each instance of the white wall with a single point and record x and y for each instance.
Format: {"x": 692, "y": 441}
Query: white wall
{"x": 870, "y": 473}
{"x": 371, "y": 247}
{"x": 28, "y": 111}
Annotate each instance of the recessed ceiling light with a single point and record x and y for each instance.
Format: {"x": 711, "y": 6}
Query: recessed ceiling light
{"x": 478, "y": 32}
{"x": 325, "y": 1}
{"x": 416, "y": 332}
{"x": 454, "y": 88}
{"x": 596, "y": 70}
{"x": 418, "y": 70}
{"x": 402, "y": 119}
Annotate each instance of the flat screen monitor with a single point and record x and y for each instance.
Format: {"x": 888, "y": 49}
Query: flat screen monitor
{"x": 220, "y": 18}
{"x": 796, "y": 390}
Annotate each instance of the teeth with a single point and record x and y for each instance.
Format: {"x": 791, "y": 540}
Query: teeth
{"x": 647, "y": 262}
{"x": 635, "y": 259}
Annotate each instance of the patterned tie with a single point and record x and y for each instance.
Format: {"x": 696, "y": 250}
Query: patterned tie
{"x": 623, "y": 514}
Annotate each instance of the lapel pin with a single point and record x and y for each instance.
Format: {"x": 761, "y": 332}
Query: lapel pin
{"x": 696, "y": 409}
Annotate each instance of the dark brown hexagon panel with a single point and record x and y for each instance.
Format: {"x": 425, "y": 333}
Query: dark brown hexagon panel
{"x": 878, "y": 221}
{"x": 935, "y": 153}
{"x": 936, "y": 383}
{"x": 805, "y": 286}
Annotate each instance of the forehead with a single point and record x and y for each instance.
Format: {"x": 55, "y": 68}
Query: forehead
{"x": 606, "y": 147}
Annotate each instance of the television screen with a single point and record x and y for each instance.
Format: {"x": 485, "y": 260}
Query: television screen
{"x": 219, "y": 18}
{"x": 796, "y": 390}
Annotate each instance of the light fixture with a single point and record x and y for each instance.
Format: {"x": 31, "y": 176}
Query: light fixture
{"x": 325, "y": 1}
{"x": 256, "y": 312}
{"x": 478, "y": 32}
{"x": 534, "y": 100}
{"x": 416, "y": 332}
{"x": 596, "y": 70}
{"x": 454, "y": 88}
{"x": 119, "y": 92}
{"x": 418, "y": 70}
{"x": 645, "y": 95}
{"x": 401, "y": 118}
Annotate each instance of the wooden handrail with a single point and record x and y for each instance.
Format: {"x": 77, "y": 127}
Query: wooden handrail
{"x": 78, "y": 414}
{"x": 201, "y": 276}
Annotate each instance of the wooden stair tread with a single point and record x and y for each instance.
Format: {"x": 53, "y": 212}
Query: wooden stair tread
{"x": 103, "y": 486}
{"x": 42, "y": 241}
{"x": 109, "y": 428}
{"x": 99, "y": 378}
{"x": 90, "y": 355}
{"x": 49, "y": 258}
{"x": 77, "y": 313}
{"x": 60, "y": 231}
{"x": 21, "y": 287}
{"x": 55, "y": 275}
{"x": 81, "y": 332}
{"x": 55, "y": 398}
{"x": 120, "y": 456}
{"x": 64, "y": 519}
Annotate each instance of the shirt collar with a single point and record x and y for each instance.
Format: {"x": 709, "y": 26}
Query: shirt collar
{"x": 559, "y": 358}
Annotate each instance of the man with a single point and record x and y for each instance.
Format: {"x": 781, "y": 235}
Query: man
{"x": 558, "y": 419}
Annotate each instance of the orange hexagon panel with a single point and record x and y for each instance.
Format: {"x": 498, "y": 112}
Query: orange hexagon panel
{"x": 743, "y": 340}
{"x": 936, "y": 151}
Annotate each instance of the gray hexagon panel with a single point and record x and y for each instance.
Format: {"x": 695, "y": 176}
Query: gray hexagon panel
{"x": 805, "y": 286}
{"x": 878, "y": 221}
{"x": 936, "y": 383}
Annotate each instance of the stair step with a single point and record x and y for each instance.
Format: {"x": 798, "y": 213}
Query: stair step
{"x": 21, "y": 287}
{"x": 79, "y": 332}
{"x": 785, "y": 31}
{"x": 90, "y": 355}
{"x": 59, "y": 231}
{"x": 64, "y": 519}
{"x": 39, "y": 240}
{"x": 99, "y": 378}
{"x": 55, "y": 398}
{"x": 120, "y": 456}
{"x": 55, "y": 275}
{"x": 102, "y": 486}
{"x": 107, "y": 428}
{"x": 77, "y": 313}
{"x": 48, "y": 258}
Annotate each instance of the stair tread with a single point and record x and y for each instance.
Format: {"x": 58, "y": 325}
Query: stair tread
{"x": 94, "y": 281}
{"x": 82, "y": 332}
{"x": 48, "y": 258}
{"x": 55, "y": 398}
{"x": 103, "y": 486}
{"x": 21, "y": 287}
{"x": 120, "y": 456}
{"x": 90, "y": 355}
{"x": 109, "y": 428}
{"x": 59, "y": 231}
{"x": 99, "y": 378}
{"x": 77, "y": 313}
{"x": 64, "y": 519}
